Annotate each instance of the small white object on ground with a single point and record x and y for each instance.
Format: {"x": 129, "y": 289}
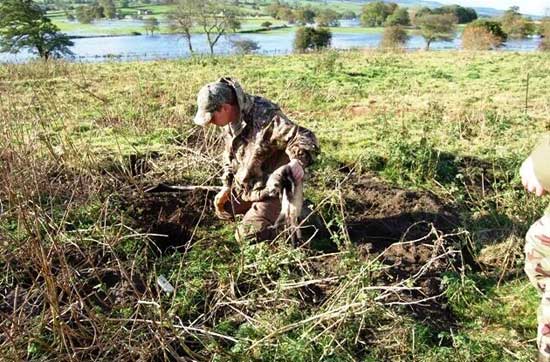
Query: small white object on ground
{"x": 164, "y": 284}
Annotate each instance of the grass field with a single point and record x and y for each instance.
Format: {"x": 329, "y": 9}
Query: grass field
{"x": 420, "y": 258}
{"x": 251, "y": 19}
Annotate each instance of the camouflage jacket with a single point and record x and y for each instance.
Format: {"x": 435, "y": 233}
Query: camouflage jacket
{"x": 259, "y": 142}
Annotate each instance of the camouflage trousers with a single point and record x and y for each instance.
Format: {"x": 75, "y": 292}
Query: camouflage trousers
{"x": 537, "y": 268}
{"x": 259, "y": 217}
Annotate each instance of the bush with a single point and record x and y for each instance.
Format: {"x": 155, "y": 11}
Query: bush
{"x": 544, "y": 31}
{"x": 544, "y": 27}
{"x": 515, "y": 25}
{"x": 328, "y": 17}
{"x": 419, "y": 162}
{"x": 437, "y": 27}
{"x": 494, "y": 27}
{"x": 478, "y": 38}
{"x": 376, "y": 13}
{"x": 85, "y": 14}
{"x": 545, "y": 44}
{"x": 312, "y": 38}
{"x": 394, "y": 37}
{"x": 245, "y": 46}
{"x": 462, "y": 14}
{"x": 327, "y": 62}
{"x": 349, "y": 14}
{"x": 399, "y": 17}
{"x": 266, "y": 24}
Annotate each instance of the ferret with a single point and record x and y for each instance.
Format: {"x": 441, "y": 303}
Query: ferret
{"x": 282, "y": 183}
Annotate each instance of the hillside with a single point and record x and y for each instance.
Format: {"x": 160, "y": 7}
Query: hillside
{"x": 419, "y": 259}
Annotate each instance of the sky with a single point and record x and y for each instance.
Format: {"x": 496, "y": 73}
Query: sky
{"x": 532, "y": 7}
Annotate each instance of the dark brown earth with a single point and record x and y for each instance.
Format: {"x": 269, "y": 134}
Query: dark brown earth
{"x": 409, "y": 232}
{"x": 406, "y": 230}
{"x": 381, "y": 214}
{"x": 170, "y": 218}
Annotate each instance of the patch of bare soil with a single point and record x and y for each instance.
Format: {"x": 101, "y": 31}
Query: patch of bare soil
{"x": 382, "y": 215}
{"x": 170, "y": 218}
{"x": 410, "y": 233}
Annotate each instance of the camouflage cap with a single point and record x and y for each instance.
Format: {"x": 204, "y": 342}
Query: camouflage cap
{"x": 210, "y": 99}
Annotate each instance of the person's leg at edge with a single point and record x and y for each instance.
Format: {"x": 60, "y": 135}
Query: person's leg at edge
{"x": 537, "y": 268}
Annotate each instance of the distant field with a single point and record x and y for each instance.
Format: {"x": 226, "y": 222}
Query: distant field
{"x": 419, "y": 259}
{"x": 334, "y": 4}
{"x": 250, "y": 22}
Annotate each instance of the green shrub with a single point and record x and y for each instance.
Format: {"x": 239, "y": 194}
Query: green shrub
{"x": 478, "y": 38}
{"x": 399, "y": 17}
{"x": 308, "y": 38}
{"x": 245, "y": 46}
{"x": 394, "y": 37}
{"x": 493, "y": 27}
{"x": 419, "y": 162}
{"x": 544, "y": 30}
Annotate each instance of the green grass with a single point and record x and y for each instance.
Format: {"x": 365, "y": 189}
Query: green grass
{"x": 72, "y": 241}
{"x": 252, "y": 20}
{"x": 123, "y": 28}
{"x": 336, "y": 5}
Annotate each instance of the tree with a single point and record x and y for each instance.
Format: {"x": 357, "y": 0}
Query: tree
{"x": 211, "y": 16}
{"x": 462, "y": 14}
{"x": 417, "y": 13}
{"x": 182, "y": 19}
{"x": 375, "y": 13}
{"x": 437, "y": 27}
{"x": 109, "y": 9}
{"x": 393, "y": 38}
{"x": 399, "y": 17}
{"x": 287, "y": 15}
{"x": 308, "y": 38}
{"x": 544, "y": 27}
{"x": 349, "y": 15}
{"x": 544, "y": 31}
{"x": 151, "y": 25}
{"x": 327, "y": 17}
{"x": 266, "y": 24}
{"x": 515, "y": 25}
{"x": 245, "y": 46}
{"x": 305, "y": 16}
{"x": 273, "y": 9}
{"x": 483, "y": 35}
{"x": 24, "y": 24}
{"x": 85, "y": 14}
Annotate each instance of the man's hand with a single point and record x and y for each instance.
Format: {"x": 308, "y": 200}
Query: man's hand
{"x": 220, "y": 200}
{"x": 297, "y": 170}
{"x": 529, "y": 179}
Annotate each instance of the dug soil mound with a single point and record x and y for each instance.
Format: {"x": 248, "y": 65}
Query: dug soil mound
{"x": 170, "y": 218}
{"x": 413, "y": 235}
{"x": 381, "y": 214}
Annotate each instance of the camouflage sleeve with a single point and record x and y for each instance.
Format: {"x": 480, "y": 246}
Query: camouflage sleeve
{"x": 541, "y": 162}
{"x": 227, "y": 176}
{"x": 298, "y": 142}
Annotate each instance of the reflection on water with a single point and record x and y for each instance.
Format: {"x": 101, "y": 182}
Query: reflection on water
{"x": 174, "y": 46}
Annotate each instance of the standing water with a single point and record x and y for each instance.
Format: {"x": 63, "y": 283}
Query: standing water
{"x": 168, "y": 46}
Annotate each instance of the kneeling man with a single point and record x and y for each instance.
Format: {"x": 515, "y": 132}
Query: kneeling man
{"x": 259, "y": 139}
